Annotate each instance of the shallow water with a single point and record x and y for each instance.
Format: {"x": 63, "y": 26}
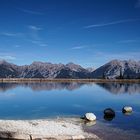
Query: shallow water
{"x": 52, "y": 99}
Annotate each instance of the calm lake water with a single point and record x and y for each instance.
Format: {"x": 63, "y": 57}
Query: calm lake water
{"x": 44, "y": 100}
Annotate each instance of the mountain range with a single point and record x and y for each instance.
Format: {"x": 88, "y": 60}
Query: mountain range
{"x": 115, "y": 69}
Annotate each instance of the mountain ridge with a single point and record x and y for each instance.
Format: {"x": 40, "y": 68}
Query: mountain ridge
{"x": 115, "y": 69}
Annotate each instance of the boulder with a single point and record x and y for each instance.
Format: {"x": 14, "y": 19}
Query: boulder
{"x": 90, "y": 117}
{"x": 109, "y": 112}
{"x": 127, "y": 109}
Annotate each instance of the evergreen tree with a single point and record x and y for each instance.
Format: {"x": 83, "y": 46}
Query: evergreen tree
{"x": 121, "y": 74}
{"x": 103, "y": 75}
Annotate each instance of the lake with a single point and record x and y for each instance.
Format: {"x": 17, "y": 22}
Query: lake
{"x": 58, "y": 99}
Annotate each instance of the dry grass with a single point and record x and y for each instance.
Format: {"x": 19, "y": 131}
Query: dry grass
{"x": 5, "y": 80}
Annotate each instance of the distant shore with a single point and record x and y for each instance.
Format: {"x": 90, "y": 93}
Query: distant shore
{"x": 4, "y": 80}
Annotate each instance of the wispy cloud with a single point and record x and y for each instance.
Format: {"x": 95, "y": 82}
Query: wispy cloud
{"x": 78, "y": 47}
{"x": 34, "y": 28}
{"x": 39, "y": 43}
{"x": 110, "y": 23}
{"x": 9, "y": 34}
{"x": 43, "y": 45}
{"x": 34, "y": 32}
{"x": 7, "y": 57}
{"x": 17, "y": 46}
{"x": 30, "y": 11}
{"x": 35, "y": 36}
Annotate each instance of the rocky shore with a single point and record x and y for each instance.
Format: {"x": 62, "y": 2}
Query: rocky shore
{"x": 45, "y": 129}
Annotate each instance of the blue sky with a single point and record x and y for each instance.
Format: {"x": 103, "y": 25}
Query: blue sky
{"x": 86, "y": 32}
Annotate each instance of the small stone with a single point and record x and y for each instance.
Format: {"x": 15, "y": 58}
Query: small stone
{"x": 127, "y": 109}
{"x": 109, "y": 112}
{"x": 90, "y": 117}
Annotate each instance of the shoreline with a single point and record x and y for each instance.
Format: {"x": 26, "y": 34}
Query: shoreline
{"x": 4, "y": 80}
{"x": 62, "y": 129}
{"x": 58, "y": 129}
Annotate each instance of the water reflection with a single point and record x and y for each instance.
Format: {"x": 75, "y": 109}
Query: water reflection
{"x": 118, "y": 88}
{"x": 109, "y": 118}
{"x": 42, "y": 86}
{"x": 52, "y": 99}
{"x": 115, "y": 88}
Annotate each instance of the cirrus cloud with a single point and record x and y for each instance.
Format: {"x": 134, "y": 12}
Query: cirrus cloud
{"x": 10, "y": 34}
{"x": 110, "y": 23}
{"x": 7, "y": 57}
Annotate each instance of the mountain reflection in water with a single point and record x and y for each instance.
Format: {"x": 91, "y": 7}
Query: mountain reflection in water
{"x": 114, "y": 88}
{"x": 42, "y": 86}
{"x": 117, "y": 88}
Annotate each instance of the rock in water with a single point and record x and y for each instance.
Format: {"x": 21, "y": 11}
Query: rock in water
{"x": 127, "y": 109}
{"x": 90, "y": 117}
{"x": 108, "y": 118}
{"x": 109, "y": 112}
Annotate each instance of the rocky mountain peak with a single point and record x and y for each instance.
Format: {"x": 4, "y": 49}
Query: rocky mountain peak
{"x": 128, "y": 69}
{"x": 74, "y": 67}
{"x": 118, "y": 69}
